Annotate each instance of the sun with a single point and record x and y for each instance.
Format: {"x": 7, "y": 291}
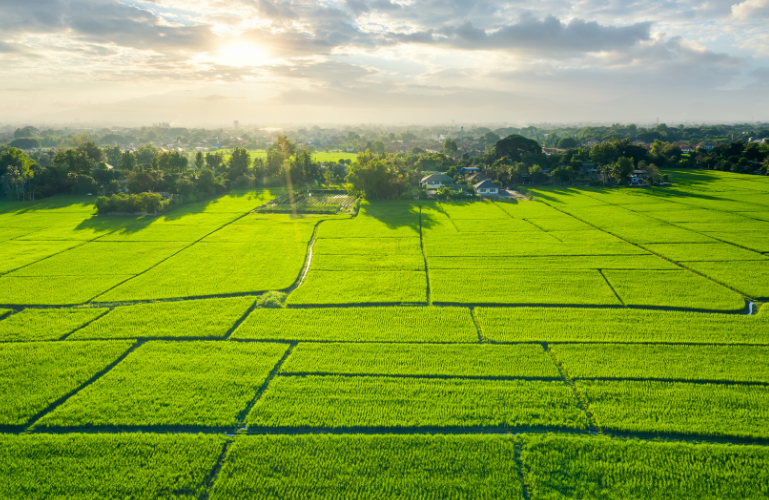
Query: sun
{"x": 242, "y": 54}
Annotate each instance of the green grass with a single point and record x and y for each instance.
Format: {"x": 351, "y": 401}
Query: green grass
{"x": 35, "y": 375}
{"x": 190, "y": 318}
{"x": 403, "y": 262}
{"x": 88, "y": 466}
{"x": 672, "y": 289}
{"x": 511, "y": 227}
{"x": 102, "y": 258}
{"x": 539, "y": 243}
{"x": 526, "y": 209}
{"x": 371, "y": 227}
{"x": 426, "y": 359}
{"x": 750, "y": 278}
{"x": 529, "y": 324}
{"x": 16, "y": 254}
{"x": 385, "y": 402}
{"x": 253, "y": 228}
{"x": 564, "y": 467}
{"x": 490, "y": 286}
{"x": 45, "y": 324}
{"x": 473, "y": 210}
{"x": 653, "y": 232}
{"x": 561, "y": 264}
{"x": 361, "y": 324}
{"x": 560, "y": 224}
{"x": 370, "y": 466}
{"x": 729, "y": 363}
{"x": 55, "y": 290}
{"x": 679, "y": 407}
{"x": 197, "y": 384}
{"x": 206, "y": 269}
{"x": 367, "y": 246}
{"x": 361, "y": 287}
{"x": 9, "y": 233}
{"x": 158, "y": 232}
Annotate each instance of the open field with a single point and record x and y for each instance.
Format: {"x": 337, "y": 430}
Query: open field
{"x": 590, "y": 343}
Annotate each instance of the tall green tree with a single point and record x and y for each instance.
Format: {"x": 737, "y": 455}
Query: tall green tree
{"x": 239, "y": 163}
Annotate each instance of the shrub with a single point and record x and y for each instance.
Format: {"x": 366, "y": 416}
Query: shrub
{"x": 272, "y": 300}
{"x": 130, "y": 203}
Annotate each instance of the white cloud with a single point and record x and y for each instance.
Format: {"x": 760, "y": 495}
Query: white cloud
{"x": 751, "y": 10}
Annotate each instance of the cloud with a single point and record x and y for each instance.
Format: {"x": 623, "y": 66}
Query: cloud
{"x": 751, "y": 10}
{"x": 549, "y": 36}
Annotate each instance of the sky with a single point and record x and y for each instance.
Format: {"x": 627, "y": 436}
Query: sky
{"x": 273, "y": 62}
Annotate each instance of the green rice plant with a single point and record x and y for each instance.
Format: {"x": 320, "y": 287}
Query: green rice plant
{"x": 672, "y": 289}
{"x": 656, "y": 232}
{"x": 195, "y": 384}
{"x": 55, "y": 290}
{"x": 422, "y": 359}
{"x": 679, "y": 407}
{"x": 551, "y": 263}
{"x": 190, "y": 318}
{"x": 405, "y": 403}
{"x": 578, "y": 287}
{"x": 703, "y": 252}
{"x": 653, "y": 205}
{"x": 102, "y": 258}
{"x": 532, "y": 324}
{"x": 501, "y": 225}
{"x": 367, "y": 246}
{"x": 525, "y": 209}
{"x": 252, "y": 229}
{"x": 34, "y": 375}
{"x": 406, "y": 262}
{"x": 206, "y": 269}
{"x": 45, "y": 324}
{"x": 370, "y": 466}
{"x": 561, "y": 467}
{"x": 238, "y": 202}
{"x": 78, "y": 230}
{"x": 361, "y": 324}
{"x": 480, "y": 209}
{"x": 390, "y": 209}
{"x": 695, "y": 215}
{"x": 142, "y": 232}
{"x": 750, "y": 278}
{"x": 9, "y": 233}
{"x": 561, "y": 224}
{"x": 17, "y": 254}
{"x": 754, "y": 240}
{"x": 665, "y": 362}
{"x": 709, "y": 227}
{"x": 438, "y": 224}
{"x": 361, "y": 287}
{"x": 88, "y": 466}
{"x": 60, "y": 203}
{"x": 371, "y": 227}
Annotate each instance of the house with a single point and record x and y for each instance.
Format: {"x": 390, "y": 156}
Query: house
{"x": 435, "y": 181}
{"x": 638, "y": 177}
{"x": 478, "y": 177}
{"x": 486, "y": 188}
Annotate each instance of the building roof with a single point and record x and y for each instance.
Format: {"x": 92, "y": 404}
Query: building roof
{"x": 478, "y": 176}
{"x": 486, "y": 184}
{"x": 434, "y": 178}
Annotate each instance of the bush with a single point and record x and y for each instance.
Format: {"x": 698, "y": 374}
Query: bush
{"x": 84, "y": 184}
{"x": 130, "y": 203}
{"x": 272, "y": 300}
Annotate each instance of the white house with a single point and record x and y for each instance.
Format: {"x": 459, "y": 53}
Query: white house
{"x": 435, "y": 181}
{"x": 486, "y": 188}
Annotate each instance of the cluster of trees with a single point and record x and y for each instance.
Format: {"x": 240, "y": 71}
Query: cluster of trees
{"x": 130, "y": 203}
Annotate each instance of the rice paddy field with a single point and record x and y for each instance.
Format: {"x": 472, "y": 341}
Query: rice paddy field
{"x": 589, "y": 343}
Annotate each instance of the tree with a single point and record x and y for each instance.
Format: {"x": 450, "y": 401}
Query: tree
{"x": 239, "y": 163}
{"x": 378, "y": 147}
{"x": 127, "y": 161}
{"x": 16, "y": 171}
{"x": 26, "y": 132}
{"x": 113, "y": 155}
{"x": 622, "y": 169}
{"x": 373, "y": 178}
{"x": 536, "y": 174}
{"x": 567, "y": 143}
{"x": 489, "y": 138}
{"x": 172, "y": 161}
{"x": 199, "y": 160}
{"x": 450, "y": 146}
{"x": 145, "y": 154}
{"x": 25, "y": 143}
{"x": 515, "y": 147}
{"x": 91, "y": 150}
{"x": 563, "y": 174}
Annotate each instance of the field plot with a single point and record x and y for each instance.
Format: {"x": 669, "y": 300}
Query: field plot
{"x": 385, "y": 402}
{"x": 361, "y": 287}
{"x": 477, "y": 210}
{"x": 255, "y": 228}
{"x": 184, "y": 384}
{"x": 679, "y": 407}
{"x": 705, "y": 252}
{"x": 750, "y": 278}
{"x": 190, "y": 318}
{"x": 754, "y": 240}
{"x": 228, "y": 268}
{"x": 237, "y": 201}
{"x": 371, "y": 227}
{"x": 391, "y": 262}
{"x": 77, "y": 230}
{"x": 372, "y": 247}
{"x": 35, "y": 375}
{"x": 55, "y": 290}
{"x": 440, "y": 360}
{"x": 45, "y": 324}
{"x": 384, "y": 210}
{"x": 529, "y": 324}
{"x": 9, "y": 233}
{"x": 622, "y": 469}
{"x": 549, "y": 264}
{"x": 672, "y": 289}
{"x": 370, "y": 466}
{"x": 653, "y": 232}
{"x": 503, "y": 224}
{"x": 664, "y": 362}
{"x": 561, "y": 224}
{"x": 525, "y": 209}
{"x": 577, "y": 287}
{"x": 102, "y": 258}
{"x": 361, "y": 324}
{"x": 16, "y": 254}
{"x": 87, "y": 466}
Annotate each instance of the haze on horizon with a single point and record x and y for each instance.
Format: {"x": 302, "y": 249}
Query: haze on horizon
{"x": 199, "y": 62}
